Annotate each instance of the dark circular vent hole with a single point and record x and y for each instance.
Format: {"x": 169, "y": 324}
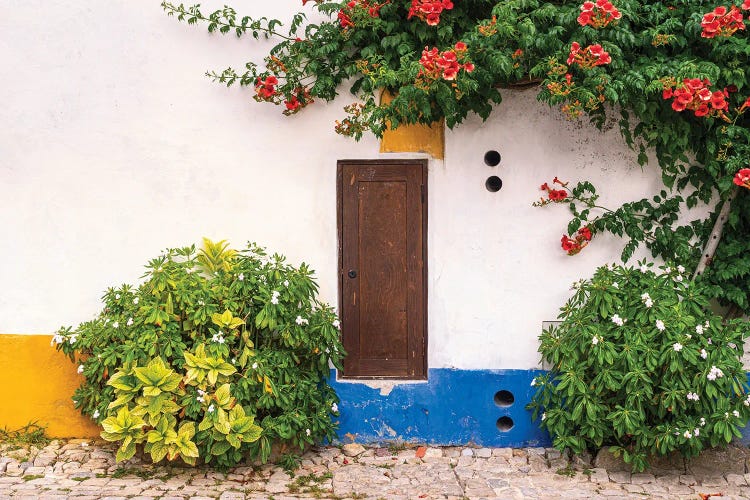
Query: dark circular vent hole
{"x": 504, "y": 398}
{"x": 492, "y": 158}
{"x": 493, "y": 184}
{"x": 504, "y": 424}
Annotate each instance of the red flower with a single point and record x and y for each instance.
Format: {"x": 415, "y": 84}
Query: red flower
{"x": 266, "y": 89}
{"x": 587, "y": 58}
{"x": 544, "y": 187}
{"x": 598, "y": 14}
{"x": 557, "y": 194}
{"x": 429, "y": 11}
{"x": 745, "y": 5}
{"x": 723, "y": 22}
{"x": 696, "y": 95}
{"x": 742, "y": 177}
{"x": 585, "y": 233}
{"x": 293, "y": 104}
{"x": 446, "y": 65}
{"x": 460, "y": 46}
{"x": 568, "y": 244}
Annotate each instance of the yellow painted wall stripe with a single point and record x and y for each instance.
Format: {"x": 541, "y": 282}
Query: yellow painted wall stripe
{"x": 428, "y": 139}
{"x": 36, "y": 385}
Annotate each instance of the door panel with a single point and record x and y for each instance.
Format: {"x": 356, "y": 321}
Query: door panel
{"x": 382, "y": 224}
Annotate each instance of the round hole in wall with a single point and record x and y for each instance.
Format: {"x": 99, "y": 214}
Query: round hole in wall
{"x": 504, "y": 399}
{"x": 504, "y": 424}
{"x": 492, "y": 158}
{"x": 493, "y": 184}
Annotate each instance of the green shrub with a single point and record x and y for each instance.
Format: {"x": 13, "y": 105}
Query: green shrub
{"x": 216, "y": 355}
{"x": 639, "y": 362}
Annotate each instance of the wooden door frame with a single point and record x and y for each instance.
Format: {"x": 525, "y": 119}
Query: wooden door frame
{"x": 340, "y": 248}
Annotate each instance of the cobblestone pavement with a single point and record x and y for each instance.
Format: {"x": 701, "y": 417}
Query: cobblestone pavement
{"x": 84, "y": 469}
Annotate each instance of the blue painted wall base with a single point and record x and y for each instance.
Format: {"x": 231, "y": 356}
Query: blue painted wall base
{"x": 453, "y": 407}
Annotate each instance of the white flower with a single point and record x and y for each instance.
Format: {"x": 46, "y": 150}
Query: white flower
{"x": 57, "y": 339}
{"x": 615, "y": 285}
{"x": 736, "y": 413}
{"x": 336, "y": 323}
{"x": 241, "y": 277}
{"x": 692, "y": 396}
{"x": 667, "y": 270}
{"x": 116, "y": 324}
{"x": 688, "y": 434}
{"x": 688, "y": 336}
{"x": 211, "y": 408}
{"x": 709, "y": 341}
{"x": 307, "y": 431}
{"x": 649, "y": 303}
{"x": 202, "y": 393}
{"x": 200, "y": 399}
{"x": 201, "y": 302}
{"x": 680, "y": 268}
{"x": 334, "y": 408}
{"x": 533, "y": 382}
{"x": 595, "y": 340}
{"x": 117, "y": 296}
{"x": 704, "y": 354}
{"x": 703, "y": 421}
{"x": 286, "y": 282}
{"x": 644, "y": 268}
{"x": 660, "y": 325}
{"x": 706, "y": 324}
{"x": 646, "y": 298}
{"x": 130, "y": 322}
{"x": 714, "y": 373}
{"x": 96, "y": 414}
{"x": 677, "y": 346}
{"x": 221, "y": 340}
{"x": 617, "y": 320}
{"x": 699, "y": 329}
{"x": 275, "y": 297}
{"x": 544, "y": 415}
{"x": 301, "y": 321}
{"x": 747, "y": 401}
{"x": 135, "y": 301}
{"x": 255, "y": 366}
{"x": 234, "y": 361}
{"x": 696, "y": 432}
{"x": 73, "y": 338}
{"x": 80, "y": 368}
{"x": 678, "y": 278}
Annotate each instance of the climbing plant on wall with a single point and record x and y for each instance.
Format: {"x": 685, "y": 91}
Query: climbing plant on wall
{"x": 673, "y": 75}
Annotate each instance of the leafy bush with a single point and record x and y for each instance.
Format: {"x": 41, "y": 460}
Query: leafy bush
{"x": 211, "y": 343}
{"x": 639, "y": 362}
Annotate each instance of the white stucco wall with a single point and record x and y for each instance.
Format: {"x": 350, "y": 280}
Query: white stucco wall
{"x": 115, "y": 147}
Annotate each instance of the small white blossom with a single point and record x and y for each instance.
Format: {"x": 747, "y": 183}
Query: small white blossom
{"x": 736, "y": 413}
{"x": 644, "y": 268}
{"x": 73, "y": 338}
{"x": 699, "y": 329}
{"x": 57, "y": 339}
{"x": 334, "y": 408}
{"x": 544, "y": 415}
{"x": 202, "y": 393}
{"x": 667, "y": 270}
{"x": 660, "y": 325}
{"x": 688, "y": 434}
{"x": 200, "y": 399}
{"x": 80, "y": 368}
{"x": 117, "y": 296}
{"x": 241, "y": 277}
{"x": 704, "y": 354}
{"x": 678, "y": 278}
{"x": 275, "y": 297}
{"x": 301, "y": 321}
{"x": 96, "y": 414}
{"x": 617, "y": 320}
{"x": 706, "y": 324}
{"x": 714, "y": 373}
{"x": 211, "y": 408}
{"x": 595, "y": 340}
{"x": 680, "y": 268}
{"x": 677, "y": 346}
{"x": 533, "y": 382}
{"x": 130, "y": 322}
{"x": 135, "y": 301}
{"x": 696, "y": 432}
{"x": 286, "y": 282}
{"x": 710, "y": 342}
{"x": 234, "y": 361}
{"x": 255, "y": 366}
{"x": 201, "y": 302}
{"x": 747, "y": 401}
{"x": 692, "y": 396}
{"x": 307, "y": 431}
{"x": 116, "y": 324}
{"x": 615, "y": 285}
{"x": 703, "y": 421}
{"x": 688, "y": 336}
{"x": 336, "y": 323}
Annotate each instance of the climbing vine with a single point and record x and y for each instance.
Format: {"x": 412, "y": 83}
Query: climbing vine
{"x": 673, "y": 75}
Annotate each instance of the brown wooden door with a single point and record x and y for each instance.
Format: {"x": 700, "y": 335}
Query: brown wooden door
{"x": 382, "y": 237}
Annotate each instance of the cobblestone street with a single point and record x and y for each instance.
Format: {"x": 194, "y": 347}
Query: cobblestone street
{"x": 85, "y": 469}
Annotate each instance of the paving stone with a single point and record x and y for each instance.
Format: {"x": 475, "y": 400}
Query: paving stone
{"x": 642, "y": 478}
{"x": 605, "y": 459}
{"x": 352, "y": 449}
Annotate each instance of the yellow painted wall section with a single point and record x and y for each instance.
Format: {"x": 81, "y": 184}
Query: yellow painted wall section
{"x": 36, "y": 385}
{"x": 428, "y": 139}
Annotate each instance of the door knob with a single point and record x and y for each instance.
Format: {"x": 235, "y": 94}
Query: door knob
{"x": 352, "y": 273}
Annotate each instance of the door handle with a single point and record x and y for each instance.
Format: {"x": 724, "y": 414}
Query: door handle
{"x": 352, "y": 273}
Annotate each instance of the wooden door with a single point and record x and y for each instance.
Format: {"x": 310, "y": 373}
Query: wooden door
{"x": 382, "y": 267}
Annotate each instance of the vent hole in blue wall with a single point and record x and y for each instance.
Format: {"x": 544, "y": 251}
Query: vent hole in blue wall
{"x": 492, "y": 158}
{"x": 504, "y": 424}
{"x": 504, "y": 399}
